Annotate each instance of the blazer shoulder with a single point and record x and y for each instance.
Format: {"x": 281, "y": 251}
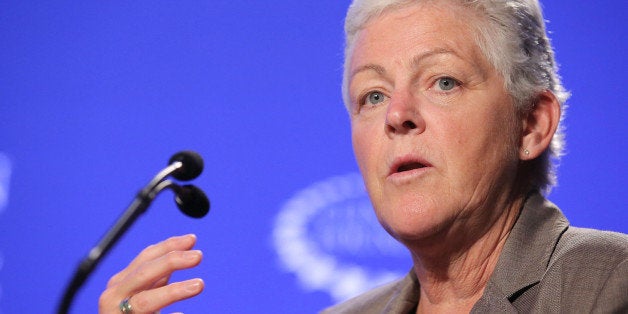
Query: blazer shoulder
{"x": 578, "y": 245}
{"x": 588, "y": 272}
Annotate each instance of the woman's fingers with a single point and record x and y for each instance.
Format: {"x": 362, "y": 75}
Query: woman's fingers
{"x": 179, "y": 243}
{"x": 150, "y": 301}
{"x": 149, "y": 273}
{"x": 145, "y": 280}
{"x": 161, "y": 282}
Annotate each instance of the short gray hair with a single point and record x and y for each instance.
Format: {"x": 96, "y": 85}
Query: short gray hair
{"x": 514, "y": 40}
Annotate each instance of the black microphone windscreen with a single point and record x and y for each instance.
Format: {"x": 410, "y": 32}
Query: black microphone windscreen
{"x": 192, "y": 165}
{"x": 192, "y": 201}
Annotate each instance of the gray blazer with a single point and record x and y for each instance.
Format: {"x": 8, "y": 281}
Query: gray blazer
{"x": 546, "y": 266}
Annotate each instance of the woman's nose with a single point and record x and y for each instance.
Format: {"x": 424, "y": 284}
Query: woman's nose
{"x": 403, "y": 115}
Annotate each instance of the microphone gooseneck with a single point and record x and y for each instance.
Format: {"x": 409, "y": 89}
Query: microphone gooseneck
{"x": 183, "y": 166}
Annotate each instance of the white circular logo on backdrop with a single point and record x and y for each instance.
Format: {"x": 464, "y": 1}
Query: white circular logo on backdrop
{"x": 328, "y": 236}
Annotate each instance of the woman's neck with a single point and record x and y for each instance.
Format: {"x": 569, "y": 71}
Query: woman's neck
{"x": 454, "y": 272}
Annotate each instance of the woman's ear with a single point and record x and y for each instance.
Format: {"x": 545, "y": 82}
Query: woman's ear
{"x": 539, "y": 125}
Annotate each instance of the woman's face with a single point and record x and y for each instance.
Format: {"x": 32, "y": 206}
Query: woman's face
{"x": 434, "y": 131}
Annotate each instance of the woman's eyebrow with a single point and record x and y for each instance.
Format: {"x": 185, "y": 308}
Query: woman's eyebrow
{"x": 368, "y": 67}
{"x": 416, "y": 61}
{"x": 420, "y": 58}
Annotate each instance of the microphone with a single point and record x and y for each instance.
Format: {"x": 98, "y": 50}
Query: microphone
{"x": 183, "y": 166}
{"x": 191, "y": 200}
{"x": 192, "y": 165}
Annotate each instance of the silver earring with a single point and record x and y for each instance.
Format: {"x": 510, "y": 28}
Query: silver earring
{"x": 527, "y": 152}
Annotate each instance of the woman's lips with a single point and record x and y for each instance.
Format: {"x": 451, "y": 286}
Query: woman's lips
{"x": 410, "y": 166}
{"x": 407, "y": 166}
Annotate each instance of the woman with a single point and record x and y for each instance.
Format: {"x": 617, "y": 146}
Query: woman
{"x": 455, "y": 109}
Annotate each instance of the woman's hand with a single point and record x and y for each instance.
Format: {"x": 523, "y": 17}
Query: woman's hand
{"x": 145, "y": 280}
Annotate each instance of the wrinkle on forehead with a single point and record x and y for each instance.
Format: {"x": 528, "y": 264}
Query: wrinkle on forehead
{"x": 431, "y": 39}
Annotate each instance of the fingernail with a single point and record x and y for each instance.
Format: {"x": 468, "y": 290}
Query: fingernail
{"x": 193, "y": 254}
{"x": 180, "y": 237}
{"x": 194, "y": 285}
{"x": 189, "y": 235}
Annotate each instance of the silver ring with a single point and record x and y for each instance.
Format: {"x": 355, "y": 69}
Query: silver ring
{"x": 125, "y": 306}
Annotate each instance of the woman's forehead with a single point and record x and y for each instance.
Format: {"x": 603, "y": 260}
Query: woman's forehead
{"x": 420, "y": 29}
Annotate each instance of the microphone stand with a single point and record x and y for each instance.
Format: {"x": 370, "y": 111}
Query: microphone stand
{"x": 139, "y": 205}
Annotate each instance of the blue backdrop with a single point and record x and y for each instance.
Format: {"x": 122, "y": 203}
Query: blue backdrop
{"x": 96, "y": 95}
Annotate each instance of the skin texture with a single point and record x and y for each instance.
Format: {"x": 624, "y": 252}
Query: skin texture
{"x": 145, "y": 279}
{"x": 439, "y": 144}
{"x": 465, "y": 136}
{"x": 422, "y": 94}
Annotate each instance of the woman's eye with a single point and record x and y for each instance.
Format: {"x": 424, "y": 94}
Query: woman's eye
{"x": 375, "y": 98}
{"x": 447, "y": 83}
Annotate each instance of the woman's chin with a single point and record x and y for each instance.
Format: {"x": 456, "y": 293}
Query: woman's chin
{"x": 415, "y": 231}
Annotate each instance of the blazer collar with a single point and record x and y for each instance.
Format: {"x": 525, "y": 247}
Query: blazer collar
{"x": 529, "y": 247}
{"x": 522, "y": 263}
